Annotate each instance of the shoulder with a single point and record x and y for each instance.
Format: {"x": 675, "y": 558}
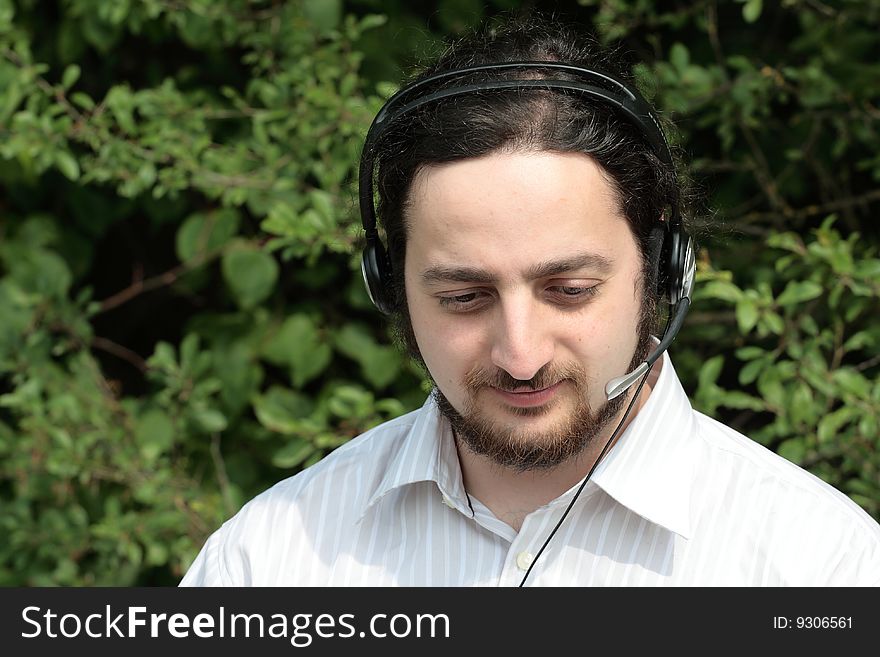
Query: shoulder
{"x": 783, "y": 509}
{"x": 289, "y": 519}
{"x": 756, "y": 465}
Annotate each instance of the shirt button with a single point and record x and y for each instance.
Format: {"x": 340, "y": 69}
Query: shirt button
{"x": 524, "y": 560}
{"x": 448, "y": 502}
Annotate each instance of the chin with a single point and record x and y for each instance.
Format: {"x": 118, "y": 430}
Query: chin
{"x": 524, "y": 437}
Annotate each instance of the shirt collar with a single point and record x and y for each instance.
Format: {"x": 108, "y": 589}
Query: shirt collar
{"x": 427, "y": 453}
{"x": 649, "y": 470}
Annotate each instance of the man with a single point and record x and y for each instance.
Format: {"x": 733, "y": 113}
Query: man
{"x": 531, "y": 217}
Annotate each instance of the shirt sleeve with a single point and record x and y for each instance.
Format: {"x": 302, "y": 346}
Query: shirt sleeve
{"x": 207, "y": 569}
{"x": 864, "y": 566}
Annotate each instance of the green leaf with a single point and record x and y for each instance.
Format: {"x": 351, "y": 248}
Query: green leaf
{"x": 752, "y": 10}
{"x": 750, "y": 353}
{"x": 67, "y": 165}
{"x": 771, "y": 389}
{"x": 724, "y": 290}
{"x": 860, "y": 340}
{"x": 41, "y": 272}
{"x": 371, "y": 21}
{"x": 679, "y": 56}
{"x": 164, "y": 358}
{"x": 322, "y": 203}
{"x": 746, "y": 314}
{"x": 189, "y": 352}
{"x": 798, "y": 292}
{"x": 323, "y": 14}
{"x": 751, "y": 370}
{"x": 809, "y": 326}
{"x": 300, "y": 345}
{"x": 711, "y": 370}
{"x": 209, "y": 420}
{"x": 787, "y": 241}
{"x": 351, "y": 402}
{"x": 773, "y": 322}
{"x": 38, "y": 231}
{"x": 240, "y": 375}
{"x": 793, "y": 449}
{"x": 250, "y": 276}
{"x": 202, "y": 233}
{"x": 380, "y": 364}
{"x": 868, "y": 425}
{"x": 154, "y": 432}
{"x": 83, "y": 100}
{"x": 831, "y": 424}
{"x": 802, "y": 409}
{"x": 852, "y": 382}
{"x": 157, "y": 554}
{"x": 70, "y": 76}
{"x": 742, "y": 400}
{"x": 293, "y": 453}
{"x": 121, "y": 102}
{"x": 282, "y": 410}
{"x": 196, "y": 29}
{"x": 7, "y": 12}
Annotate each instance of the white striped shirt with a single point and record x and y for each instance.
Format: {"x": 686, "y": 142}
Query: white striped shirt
{"x": 681, "y": 500}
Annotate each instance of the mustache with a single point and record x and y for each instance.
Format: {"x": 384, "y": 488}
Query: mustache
{"x": 545, "y": 377}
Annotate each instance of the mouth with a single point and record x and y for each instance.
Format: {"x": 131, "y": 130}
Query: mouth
{"x": 525, "y": 397}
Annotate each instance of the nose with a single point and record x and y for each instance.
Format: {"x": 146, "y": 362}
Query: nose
{"x": 521, "y": 339}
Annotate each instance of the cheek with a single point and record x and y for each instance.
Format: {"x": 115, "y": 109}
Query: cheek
{"x": 607, "y": 321}
{"x": 604, "y": 337}
{"x": 449, "y": 347}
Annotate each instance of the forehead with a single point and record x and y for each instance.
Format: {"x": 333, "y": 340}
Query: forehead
{"x": 514, "y": 207}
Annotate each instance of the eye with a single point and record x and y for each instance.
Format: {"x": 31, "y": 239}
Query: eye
{"x": 462, "y": 302}
{"x": 572, "y": 294}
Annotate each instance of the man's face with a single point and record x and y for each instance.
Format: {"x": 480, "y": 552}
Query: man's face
{"x": 523, "y": 284}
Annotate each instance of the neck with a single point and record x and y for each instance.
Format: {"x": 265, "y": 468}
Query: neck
{"x": 512, "y": 495}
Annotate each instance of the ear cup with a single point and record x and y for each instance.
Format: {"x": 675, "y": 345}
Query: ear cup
{"x": 376, "y": 269}
{"x": 680, "y": 265}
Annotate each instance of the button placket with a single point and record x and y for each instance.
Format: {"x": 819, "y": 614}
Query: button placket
{"x": 524, "y": 559}
{"x": 522, "y": 552}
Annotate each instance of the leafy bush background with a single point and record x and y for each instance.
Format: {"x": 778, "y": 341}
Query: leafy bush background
{"x": 182, "y": 322}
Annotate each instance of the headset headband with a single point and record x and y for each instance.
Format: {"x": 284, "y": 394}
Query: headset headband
{"x": 598, "y": 85}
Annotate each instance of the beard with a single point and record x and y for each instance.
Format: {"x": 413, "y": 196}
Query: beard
{"x": 515, "y": 447}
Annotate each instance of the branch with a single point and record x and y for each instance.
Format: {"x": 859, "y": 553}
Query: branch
{"x": 140, "y": 286}
{"x": 822, "y": 8}
{"x": 720, "y": 317}
{"x": 119, "y": 351}
{"x": 861, "y": 367}
{"x": 812, "y": 210}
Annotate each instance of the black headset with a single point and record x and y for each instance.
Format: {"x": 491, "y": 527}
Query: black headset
{"x": 676, "y": 252}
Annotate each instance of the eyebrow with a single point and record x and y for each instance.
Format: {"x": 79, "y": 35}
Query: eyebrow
{"x": 448, "y": 274}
